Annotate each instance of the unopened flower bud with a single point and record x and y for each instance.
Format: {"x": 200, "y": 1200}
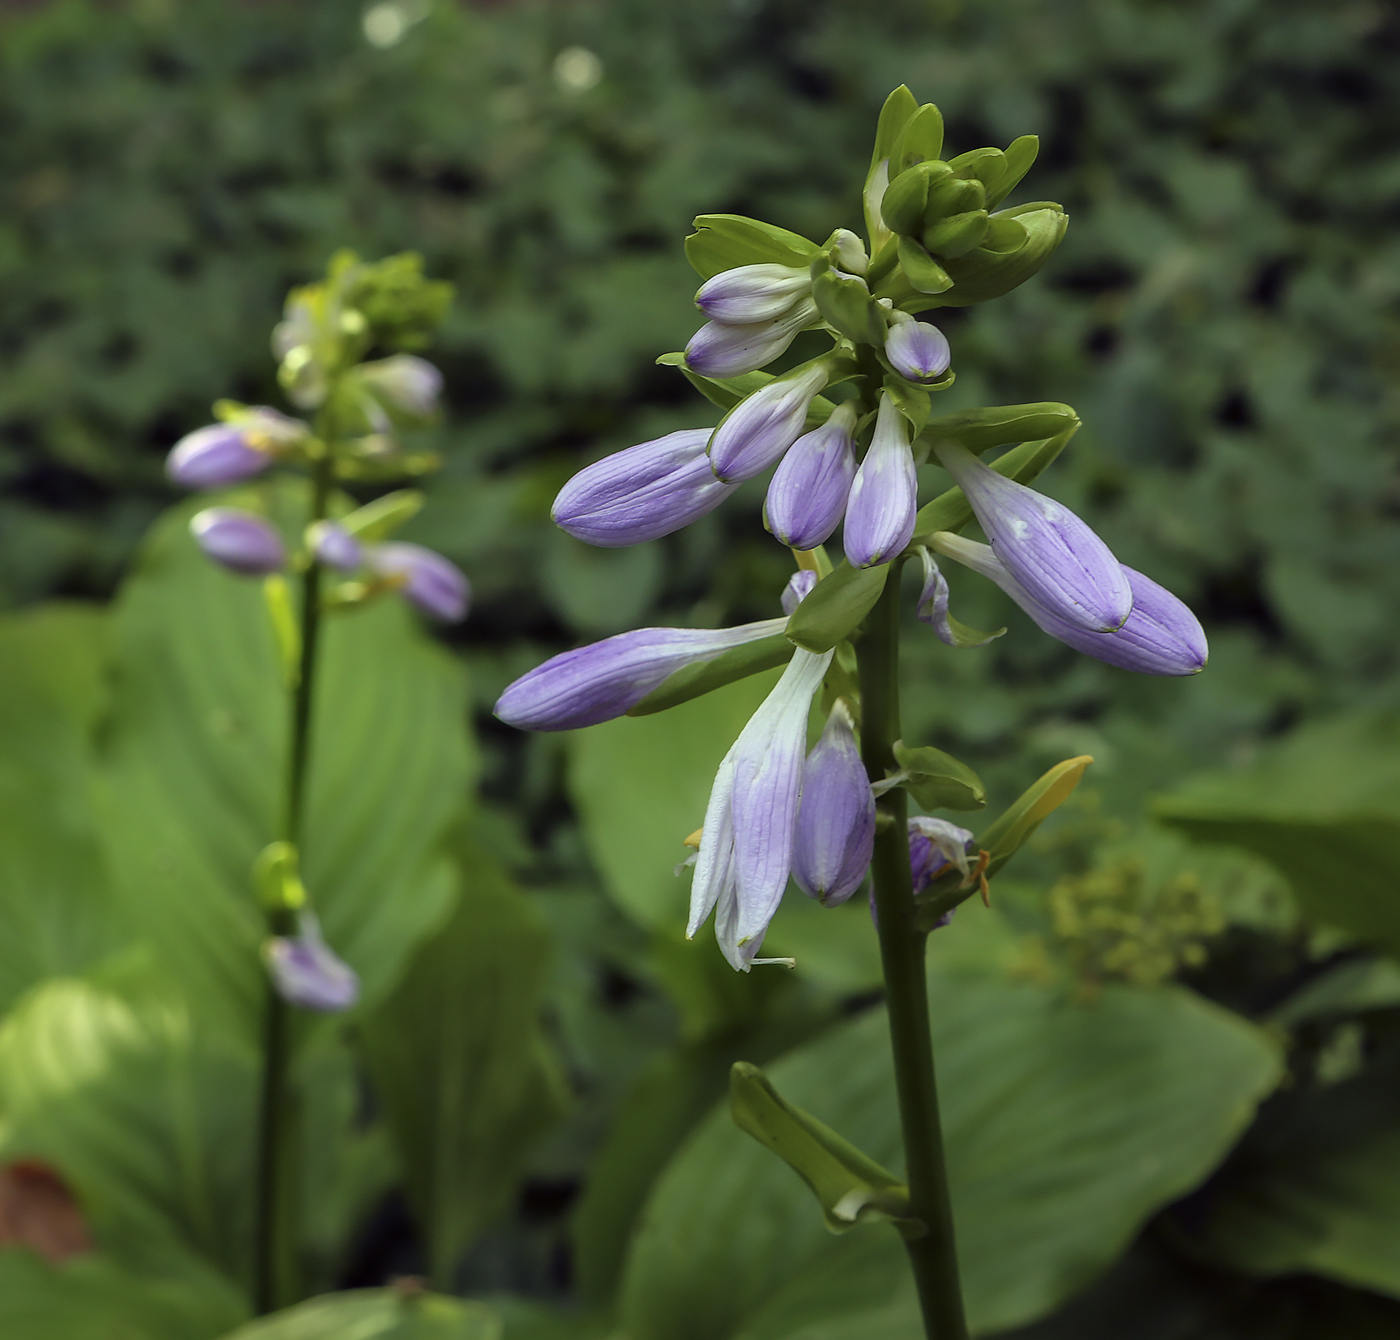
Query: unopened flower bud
{"x": 243, "y": 542}
{"x": 808, "y": 492}
{"x": 719, "y": 349}
{"x": 305, "y": 970}
{"x": 884, "y": 496}
{"x": 752, "y": 293}
{"x": 918, "y": 351}
{"x": 799, "y": 586}
{"x": 850, "y": 252}
{"x": 836, "y": 820}
{"x": 333, "y": 545}
{"x": 758, "y": 430}
{"x": 213, "y": 457}
{"x": 643, "y": 492}
{"x": 404, "y": 382}
{"x": 607, "y": 679}
{"x": 1046, "y": 548}
{"x": 435, "y": 584}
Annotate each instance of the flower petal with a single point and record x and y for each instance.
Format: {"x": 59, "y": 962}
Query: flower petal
{"x": 808, "y": 492}
{"x": 836, "y": 820}
{"x": 719, "y": 349}
{"x": 760, "y": 428}
{"x": 884, "y": 497}
{"x": 751, "y": 293}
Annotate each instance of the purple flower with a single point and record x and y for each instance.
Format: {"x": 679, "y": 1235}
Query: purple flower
{"x": 918, "y": 351}
{"x": 798, "y": 588}
{"x": 435, "y": 584}
{"x": 1160, "y": 637}
{"x": 221, "y": 454}
{"x": 643, "y": 492}
{"x": 243, "y": 542}
{"x": 1045, "y": 547}
{"x": 884, "y": 496}
{"x": 836, "y": 820}
{"x": 760, "y": 428}
{"x": 808, "y": 492}
{"x": 334, "y": 546}
{"x": 306, "y": 972}
{"x": 719, "y": 349}
{"x": 934, "y": 845}
{"x": 405, "y": 382}
{"x": 752, "y": 293}
{"x": 746, "y": 843}
{"x": 933, "y": 610}
{"x": 607, "y": 679}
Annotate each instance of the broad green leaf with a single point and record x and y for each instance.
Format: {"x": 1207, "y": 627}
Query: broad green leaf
{"x": 693, "y": 680}
{"x": 836, "y": 606}
{"x": 94, "y": 1297}
{"x": 938, "y": 781}
{"x": 191, "y": 765}
{"x": 55, "y": 899}
{"x": 464, "y": 1075}
{"x": 1067, "y": 1123}
{"x": 377, "y": 1314}
{"x": 640, "y": 786}
{"x": 1349, "y": 988}
{"x": 1324, "y": 807}
{"x": 724, "y": 241}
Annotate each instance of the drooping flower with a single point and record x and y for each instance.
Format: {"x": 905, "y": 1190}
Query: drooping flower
{"x": 426, "y": 579}
{"x": 760, "y": 428}
{"x": 722, "y": 349}
{"x": 241, "y": 541}
{"x": 1159, "y": 637}
{"x": 934, "y": 845}
{"x": 643, "y": 492}
{"x": 305, "y": 970}
{"x": 607, "y": 679}
{"x": 1045, "y": 547}
{"x": 808, "y": 492}
{"x": 917, "y": 351}
{"x": 751, "y": 293}
{"x": 884, "y": 496}
{"x": 334, "y": 546}
{"x": 836, "y": 819}
{"x": 933, "y": 610}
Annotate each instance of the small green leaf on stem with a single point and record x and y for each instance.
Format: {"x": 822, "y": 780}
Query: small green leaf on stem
{"x": 938, "y": 781}
{"x": 837, "y": 606}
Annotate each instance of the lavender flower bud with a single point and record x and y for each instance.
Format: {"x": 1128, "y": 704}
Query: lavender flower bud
{"x": 836, "y": 820}
{"x": 718, "y": 349}
{"x": 1160, "y": 637}
{"x": 642, "y": 493}
{"x": 798, "y": 588}
{"x": 305, "y": 970}
{"x": 934, "y": 845}
{"x": 435, "y": 584}
{"x": 404, "y": 382}
{"x": 607, "y": 679}
{"x": 243, "y": 542}
{"x": 333, "y": 545}
{"x": 752, "y": 293}
{"x": 807, "y": 494}
{"x": 758, "y": 430}
{"x": 214, "y": 457}
{"x": 918, "y": 351}
{"x": 1046, "y": 548}
{"x": 884, "y": 497}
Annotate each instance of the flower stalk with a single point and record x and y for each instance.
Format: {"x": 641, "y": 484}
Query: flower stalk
{"x": 930, "y": 1243}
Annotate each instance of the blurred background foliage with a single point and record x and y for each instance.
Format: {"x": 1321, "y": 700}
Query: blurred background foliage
{"x": 1222, "y": 315}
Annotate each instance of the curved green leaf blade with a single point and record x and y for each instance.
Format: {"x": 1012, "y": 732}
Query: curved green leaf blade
{"x": 836, "y": 606}
{"x": 377, "y": 1314}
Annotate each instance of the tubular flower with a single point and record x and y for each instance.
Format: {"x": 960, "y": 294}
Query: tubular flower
{"x": 917, "y": 351}
{"x": 797, "y": 590}
{"x": 884, "y": 497}
{"x": 426, "y": 579}
{"x": 643, "y": 492}
{"x": 607, "y": 679}
{"x": 334, "y": 546}
{"x": 1046, "y": 548}
{"x": 305, "y": 970}
{"x": 221, "y": 454}
{"x": 752, "y": 293}
{"x": 1159, "y": 637}
{"x": 760, "y": 428}
{"x": 241, "y": 541}
{"x": 721, "y": 349}
{"x": 808, "y": 492}
{"x": 836, "y": 820}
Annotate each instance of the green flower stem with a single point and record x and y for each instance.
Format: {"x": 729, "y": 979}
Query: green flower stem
{"x": 932, "y": 1249}
{"x": 275, "y": 1114}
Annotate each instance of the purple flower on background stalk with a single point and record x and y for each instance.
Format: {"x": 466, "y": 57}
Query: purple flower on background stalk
{"x": 241, "y": 541}
{"x": 918, "y": 351}
{"x": 434, "y": 583}
{"x": 334, "y": 546}
{"x": 643, "y": 492}
{"x": 798, "y": 588}
{"x": 884, "y": 497}
{"x": 405, "y": 381}
{"x": 934, "y": 845}
{"x": 836, "y": 819}
{"x": 808, "y": 492}
{"x": 607, "y": 679}
{"x": 751, "y": 293}
{"x": 720, "y": 349}
{"x": 1160, "y": 637}
{"x": 305, "y": 970}
{"x": 221, "y": 454}
{"x": 1046, "y": 548}
{"x": 746, "y": 843}
{"x": 760, "y": 428}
